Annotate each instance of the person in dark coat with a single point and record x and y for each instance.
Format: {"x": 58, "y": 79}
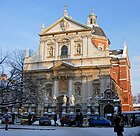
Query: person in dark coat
{"x": 133, "y": 120}
{"x": 126, "y": 120}
{"x": 6, "y": 122}
{"x": 55, "y": 119}
{"x": 119, "y": 125}
{"x": 77, "y": 120}
{"x": 81, "y": 119}
{"x": 29, "y": 119}
{"x": 13, "y": 118}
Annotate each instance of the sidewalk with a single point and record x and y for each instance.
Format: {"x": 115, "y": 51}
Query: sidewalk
{"x": 27, "y": 127}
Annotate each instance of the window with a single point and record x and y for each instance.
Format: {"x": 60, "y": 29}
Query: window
{"x": 108, "y": 95}
{"x": 64, "y": 50}
{"x": 100, "y": 48}
{"x": 91, "y": 21}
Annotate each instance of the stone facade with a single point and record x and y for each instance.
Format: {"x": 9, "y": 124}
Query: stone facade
{"x": 72, "y": 60}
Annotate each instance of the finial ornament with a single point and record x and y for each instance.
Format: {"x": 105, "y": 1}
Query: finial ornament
{"x": 92, "y": 11}
{"x": 43, "y": 26}
{"x": 124, "y": 49}
{"x": 27, "y": 53}
{"x": 65, "y": 10}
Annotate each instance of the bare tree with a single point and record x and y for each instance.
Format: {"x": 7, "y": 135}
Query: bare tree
{"x": 3, "y": 76}
{"x": 136, "y": 98}
{"x": 12, "y": 89}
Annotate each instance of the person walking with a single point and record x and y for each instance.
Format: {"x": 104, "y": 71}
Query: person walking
{"x": 133, "y": 120}
{"x": 119, "y": 124}
{"x": 77, "y": 120}
{"x": 81, "y": 119}
{"x": 55, "y": 120}
{"x": 29, "y": 119}
{"x": 6, "y": 122}
{"x": 13, "y": 118}
{"x": 126, "y": 120}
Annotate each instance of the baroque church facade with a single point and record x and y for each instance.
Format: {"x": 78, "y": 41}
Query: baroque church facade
{"x": 74, "y": 61}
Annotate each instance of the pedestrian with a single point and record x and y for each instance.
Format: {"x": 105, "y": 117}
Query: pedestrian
{"x": 133, "y": 120}
{"x": 29, "y": 119}
{"x": 13, "y": 118}
{"x": 33, "y": 118}
{"x": 6, "y": 122}
{"x": 126, "y": 120}
{"x": 81, "y": 119}
{"x": 77, "y": 119}
{"x": 119, "y": 124}
{"x": 55, "y": 119}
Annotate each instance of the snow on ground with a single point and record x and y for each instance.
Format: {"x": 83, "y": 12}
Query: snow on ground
{"x": 64, "y": 131}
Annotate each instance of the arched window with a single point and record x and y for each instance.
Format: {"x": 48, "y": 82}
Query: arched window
{"x": 64, "y": 50}
{"x": 91, "y": 21}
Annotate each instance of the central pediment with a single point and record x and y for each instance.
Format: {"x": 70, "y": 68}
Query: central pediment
{"x": 63, "y": 65}
{"x": 64, "y": 24}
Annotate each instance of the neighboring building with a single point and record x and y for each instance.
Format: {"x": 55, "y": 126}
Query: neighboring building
{"x": 120, "y": 72}
{"x": 136, "y": 107}
{"x": 74, "y": 59}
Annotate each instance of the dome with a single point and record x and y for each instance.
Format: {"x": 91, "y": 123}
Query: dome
{"x": 98, "y": 31}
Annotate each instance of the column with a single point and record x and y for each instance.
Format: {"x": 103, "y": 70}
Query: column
{"x": 56, "y": 49}
{"x": 70, "y": 87}
{"x": 55, "y": 87}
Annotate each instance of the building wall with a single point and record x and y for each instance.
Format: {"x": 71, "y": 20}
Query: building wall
{"x": 90, "y": 66}
{"x": 120, "y": 72}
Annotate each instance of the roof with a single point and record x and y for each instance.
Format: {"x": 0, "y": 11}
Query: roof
{"x": 116, "y": 52}
{"x": 98, "y": 31}
{"x": 70, "y": 20}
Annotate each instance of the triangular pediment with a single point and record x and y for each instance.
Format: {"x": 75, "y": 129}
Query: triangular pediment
{"x": 64, "y": 24}
{"x": 62, "y": 65}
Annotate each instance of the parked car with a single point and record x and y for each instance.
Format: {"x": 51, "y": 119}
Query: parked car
{"x": 98, "y": 120}
{"x": 45, "y": 120}
{"x": 137, "y": 120}
{"x": 9, "y": 118}
{"x": 68, "y": 120}
{"x": 24, "y": 120}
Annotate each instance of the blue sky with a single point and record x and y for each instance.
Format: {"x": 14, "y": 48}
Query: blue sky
{"x": 20, "y": 24}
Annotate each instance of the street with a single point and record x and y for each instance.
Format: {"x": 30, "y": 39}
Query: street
{"x": 18, "y": 130}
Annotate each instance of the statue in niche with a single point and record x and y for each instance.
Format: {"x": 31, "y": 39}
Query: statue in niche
{"x": 78, "y": 91}
{"x": 72, "y": 100}
{"x": 54, "y": 100}
{"x": 78, "y": 49}
{"x": 64, "y": 100}
{"x": 49, "y": 91}
{"x": 51, "y": 51}
{"x": 46, "y": 100}
{"x": 89, "y": 100}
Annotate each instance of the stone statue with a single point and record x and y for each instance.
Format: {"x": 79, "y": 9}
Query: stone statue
{"x": 64, "y": 100}
{"x": 54, "y": 100}
{"x": 72, "y": 100}
{"x": 89, "y": 100}
{"x": 46, "y": 99}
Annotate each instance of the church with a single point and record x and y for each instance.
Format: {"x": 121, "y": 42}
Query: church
{"x": 74, "y": 70}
